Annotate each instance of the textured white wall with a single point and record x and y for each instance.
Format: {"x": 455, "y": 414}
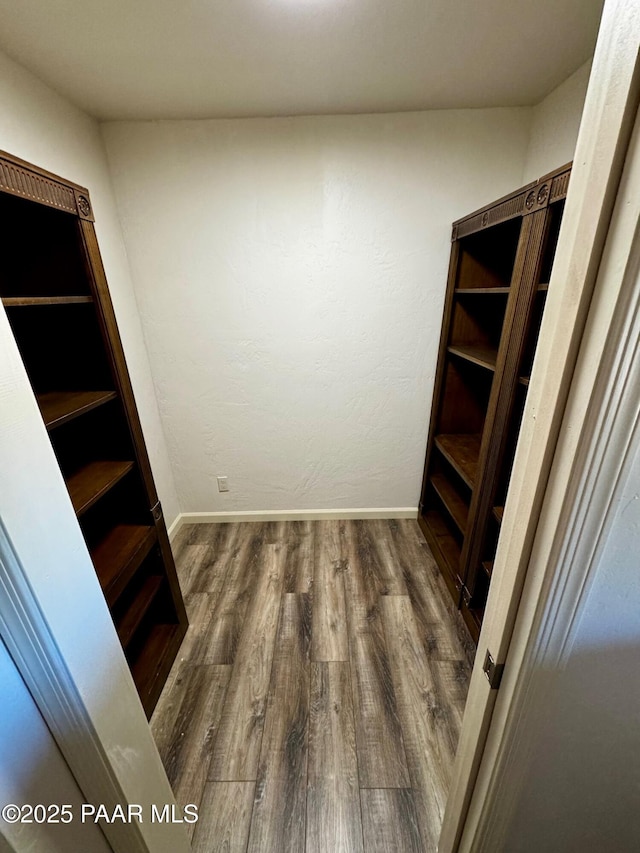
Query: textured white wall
{"x": 290, "y": 276}
{"x": 41, "y": 127}
{"x": 555, "y": 124}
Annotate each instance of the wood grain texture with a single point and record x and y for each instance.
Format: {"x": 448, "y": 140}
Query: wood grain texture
{"x": 237, "y": 749}
{"x": 390, "y": 823}
{"x": 333, "y": 800}
{"x": 440, "y": 626}
{"x": 199, "y": 607}
{"x": 227, "y": 616}
{"x": 429, "y": 726}
{"x": 282, "y": 774}
{"x": 462, "y": 452}
{"x": 330, "y": 640}
{"x": 368, "y": 576}
{"x": 163, "y": 721}
{"x": 59, "y": 407}
{"x": 188, "y": 751}
{"x": 316, "y": 735}
{"x": 299, "y": 537}
{"x": 214, "y": 562}
{"x": 381, "y": 757}
{"x": 224, "y": 818}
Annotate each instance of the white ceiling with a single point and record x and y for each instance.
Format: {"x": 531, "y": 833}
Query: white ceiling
{"x": 226, "y": 58}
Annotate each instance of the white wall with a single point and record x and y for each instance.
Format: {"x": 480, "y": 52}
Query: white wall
{"x": 39, "y": 126}
{"x": 554, "y": 126}
{"x": 290, "y": 276}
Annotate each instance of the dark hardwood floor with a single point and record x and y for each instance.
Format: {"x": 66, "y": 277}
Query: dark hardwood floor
{"x": 317, "y": 698}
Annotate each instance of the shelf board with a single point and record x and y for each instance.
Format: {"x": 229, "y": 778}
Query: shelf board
{"x": 131, "y": 620}
{"x": 153, "y": 661}
{"x": 453, "y": 503}
{"x": 542, "y": 288}
{"x": 118, "y": 556}
{"x": 483, "y": 291}
{"x": 93, "y": 481}
{"x": 446, "y": 550}
{"x": 461, "y": 451}
{"x": 498, "y": 512}
{"x": 14, "y": 301}
{"x": 483, "y": 356}
{"x": 487, "y": 565}
{"x": 59, "y": 407}
{"x": 524, "y": 380}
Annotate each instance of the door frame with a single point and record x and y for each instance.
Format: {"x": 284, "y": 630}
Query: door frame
{"x": 566, "y": 426}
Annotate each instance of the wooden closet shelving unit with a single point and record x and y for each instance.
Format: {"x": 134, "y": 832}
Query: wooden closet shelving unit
{"x": 499, "y": 272}
{"x": 54, "y": 291}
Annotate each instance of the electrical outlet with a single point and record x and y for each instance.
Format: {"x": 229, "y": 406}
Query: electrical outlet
{"x": 223, "y": 484}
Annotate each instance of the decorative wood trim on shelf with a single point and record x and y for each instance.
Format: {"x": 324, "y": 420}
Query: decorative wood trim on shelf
{"x": 83, "y": 206}
{"x": 559, "y": 187}
{"x": 512, "y": 207}
{"x": 27, "y": 635}
{"x": 537, "y": 198}
{"x": 22, "y": 179}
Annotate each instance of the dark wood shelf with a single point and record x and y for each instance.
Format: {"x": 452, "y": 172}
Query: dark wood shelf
{"x": 500, "y": 266}
{"x": 74, "y": 358}
{"x": 483, "y": 291}
{"x": 93, "y": 481}
{"x": 149, "y": 665}
{"x": 453, "y": 503}
{"x": 59, "y": 407}
{"x": 131, "y": 620}
{"x": 119, "y": 555}
{"x": 16, "y": 301}
{"x": 462, "y": 452}
{"x": 443, "y": 545}
{"x": 483, "y": 356}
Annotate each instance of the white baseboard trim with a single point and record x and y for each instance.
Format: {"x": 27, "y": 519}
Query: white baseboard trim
{"x": 289, "y": 515}
{"x": 172, "y": 531}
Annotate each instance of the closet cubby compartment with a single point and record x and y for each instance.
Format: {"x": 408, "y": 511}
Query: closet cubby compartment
{"x": 50, "y": 266}
{"x": 477, "y": 323}
{"x": 499, "y": 272}
{"x": 61, "y": 347}
{"x": 486, "y": 258}
{"x": 466, "y": 389}
{"x": 54, "y": 291}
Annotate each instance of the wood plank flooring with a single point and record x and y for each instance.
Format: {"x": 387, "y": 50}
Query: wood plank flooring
{"x": 316, "y": 701}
